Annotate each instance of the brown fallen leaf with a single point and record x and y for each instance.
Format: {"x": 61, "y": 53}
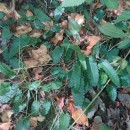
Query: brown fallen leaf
{"x": 23, "y": 29}
{"x": 38, "y": 73}
{"x": 48, "y": 25}
{"x": 29, "y": 13}
{"x": 78, "y": 18}
{"x": 92, "y": 41}
{"x": 64, "y": 24}
{"x": 60, "y": 102}
{"x": 1, "y": 51}
{"x": 38, "y": 57}
{"x": 6, "y": 115}
{"x": 36, "y": 33}
{"x": 33, "y": 121}
{"x": 57, "y": 39}
{"x": 3, "y": 8}
{"x": 83, "y": 120}
{"x": 5, "y": 126}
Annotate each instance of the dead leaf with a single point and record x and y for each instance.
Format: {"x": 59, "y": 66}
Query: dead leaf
{"x": 6, "y": 115}
{"x": 38, "y": 73}
{"x": 64, "y": 24}
{"x": 57, "y": 39}
{"x": 36, "y": 33}
{"x": 38, "y": 57}
{"x": 78, "y": 18}
{"x": 5, "y": 107}
{"x": 1, "y": 51}
{"x": 4, "y": 9}
{"x": 48, "y": 25}
{"x": 33, "y": 121}
{"x": 5, "y": 126}
{"x": 60, "y": 102}
{"x": 83, "y": 120}
{"x": 23, "y": 29}
{"x": 29, "y": 13}
{"x": 92, "y": 41}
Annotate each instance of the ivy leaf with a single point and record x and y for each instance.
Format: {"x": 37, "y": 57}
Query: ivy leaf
{"x": 46, "y": 107}
{"x": 64, "y": 121}
{"x": 6, "y": 70}
{"x": 112, "y": 92}
{"x": 23, "y": 124}
{"x": 104, "y": 127}
{"x": 106, "y": 66}
{"x": 92, "y": 71}
{"x": 35, "y": 108}
{"x": 111, "y": 30}
{"x": 124, "y": 16}
{"x": 124, "y": 44}
{"x": 34, "y": 85}
{"x": 67, "y": 3}
{"x": 57, "y": 54}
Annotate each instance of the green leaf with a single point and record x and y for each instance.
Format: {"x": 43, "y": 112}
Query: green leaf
{"x": 52, "y": 86}
{"x": 23, "y": 124}
{"x": 46, "y": 107}
{"x": 104, "y": 127}
{"x": 64, "y": 121}
{"x": 106, "y": 66}
{"x": 67, "y": 3}
{"x": 34, "y": 85}
{"x": 111, "y": 4}
{"x": 6, "y": 70}
{"x": 41, "y": 15}
{"x": 92, "y": 71}
{"x": 124, "y": 44}
{"x": 124, "y": 16}
{"x": 111, "y": 30}
{"x": 6, "y": 34}
{"x": 58, "y": 12}
{"x": 74, "y": 77}
{"x": 82, "y": 60}
{"x": 7, "y": 92}
{"x": 35, "y": 108}
{"x": 18, "y": 44}
{"x": 112, "y": 92}
{"x": 57, "y": 54}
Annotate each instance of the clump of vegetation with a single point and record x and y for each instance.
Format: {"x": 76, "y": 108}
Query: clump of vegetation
{"x": 62, "y": 62}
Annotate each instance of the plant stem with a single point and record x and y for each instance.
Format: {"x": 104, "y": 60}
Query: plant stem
{"x": 89, "y": 104}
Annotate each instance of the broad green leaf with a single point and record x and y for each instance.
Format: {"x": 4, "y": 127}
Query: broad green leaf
{"x": 52, "y": 86}
{"x": 74, "y": 77}
{"x": 7, "y": 92}
{"x": 67, "y": 3}
{"x": 6, "y": 34}
{"x": 82, "y": 60}
{"x": 104, "y": 127}
{"x": 124, "y": 16}
{"x": 111, "y": 4}
{"x": 45, "y": 107}
{"x": 58, "y": 12}
{"x": 35, "y": 108}
{"x": 57, "y": 54}
{"x": 106, "y": 66}
{"x": 19, "y": 107}
{"x": 23, "y": 124}
{"x": 18, "y": 44}
{"x": 112, "y": 92}
{"x": 89, "y": 1}
{"x": 92, "y": 71}
{"x": 111, "y": 30}
{"x": 64, "y": 121}
{"x": 73, "y": 25}
{"x": 124, "y": 44}
{"x": 34, "y": 85}
{"x": 6, "y": 70}
{"x": 41, "y": 15}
